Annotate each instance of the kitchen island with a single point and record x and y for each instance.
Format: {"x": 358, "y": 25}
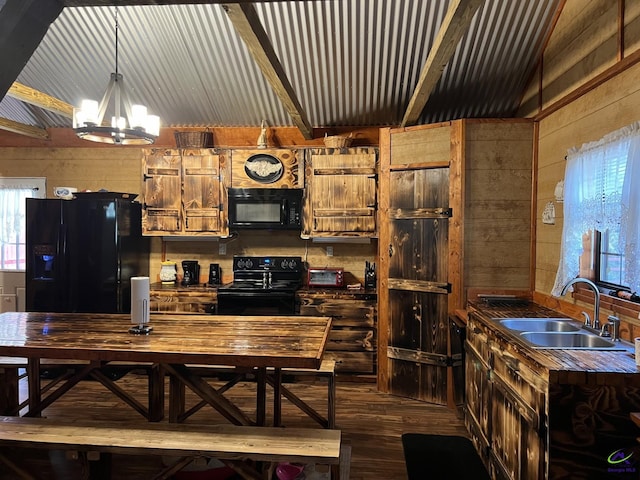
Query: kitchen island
{"x": 548, "y": 413}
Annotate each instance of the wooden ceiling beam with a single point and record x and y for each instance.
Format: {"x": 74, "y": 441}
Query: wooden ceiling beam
{"x": 39, "y": 99}
{"x": 23, "y": 25}
{"x": 247, "y": 24}
{"x": 455, "y": 24}
{"x": 22, "y": 129}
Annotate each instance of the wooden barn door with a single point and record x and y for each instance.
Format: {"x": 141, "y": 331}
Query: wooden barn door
{"x": 418, "y": 283}
{"x": 418, "y": 251}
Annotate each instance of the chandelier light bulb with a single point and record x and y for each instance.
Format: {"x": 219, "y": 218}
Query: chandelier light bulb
{"x": 90, "y": 110}
{"x": 153, "y": 125}
{"x": 138, "y": 116}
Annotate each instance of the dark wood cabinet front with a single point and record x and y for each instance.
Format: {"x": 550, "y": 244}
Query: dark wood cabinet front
{"x": 352, "y": 341}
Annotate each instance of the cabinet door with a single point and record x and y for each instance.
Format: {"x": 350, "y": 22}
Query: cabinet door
{"x": 342, "y": 192}
{"x": 477, "y": 391}
{"x": 352, "y": 341}
{"x": 162, "y": 191}
{"x": 201, "y": 197}
{"x": 517, "y": 418}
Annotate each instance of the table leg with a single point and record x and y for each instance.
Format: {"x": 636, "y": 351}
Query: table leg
{"x": 277, "y": 397}
{"x": 176, "y": 398}
{"x": 205, "y": 391}
{"x": 35, "y": 388}
{"x": 156, "y": 393}
{"x": 261, "y": 396}
{"x": 9, "y": 391}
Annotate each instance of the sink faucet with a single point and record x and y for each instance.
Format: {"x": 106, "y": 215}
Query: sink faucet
{"x": 596, "y": 301}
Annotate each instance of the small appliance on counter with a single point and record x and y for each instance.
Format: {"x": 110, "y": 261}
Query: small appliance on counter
{"x": 168, "y": 272}
{"x": 191, "y": 275}
{"x": 369, "y": 275}
{"x": 214, "y": 274}
{"x": 325, "y": 277}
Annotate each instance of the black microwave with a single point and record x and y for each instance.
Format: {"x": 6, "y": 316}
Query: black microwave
{"x": 265, "y": 208}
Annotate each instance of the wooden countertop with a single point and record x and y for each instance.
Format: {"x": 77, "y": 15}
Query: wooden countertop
{"x": 177, "y": 287}
{"x": 337, "y": 291}
{"x": 563, "y": 365}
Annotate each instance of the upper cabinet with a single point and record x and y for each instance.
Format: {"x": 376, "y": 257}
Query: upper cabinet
{"x": 183, "y": 192}
{"x": 267, "y": 168}
{"x": 341, "y": 193}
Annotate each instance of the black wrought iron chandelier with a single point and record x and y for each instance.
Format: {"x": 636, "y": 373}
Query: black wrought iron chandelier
{"x": 136, "y": 128}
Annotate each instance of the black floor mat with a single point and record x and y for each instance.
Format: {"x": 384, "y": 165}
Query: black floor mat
{"x": 441, "y": 457}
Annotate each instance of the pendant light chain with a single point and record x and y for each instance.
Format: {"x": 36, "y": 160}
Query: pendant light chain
{"x": 117, "y": 27}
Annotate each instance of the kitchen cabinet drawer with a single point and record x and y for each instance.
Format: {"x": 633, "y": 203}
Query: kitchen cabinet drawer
{"x": 353, "y": 338}
{"x": 362, "y": 363}
{"x": 180, "y": 301}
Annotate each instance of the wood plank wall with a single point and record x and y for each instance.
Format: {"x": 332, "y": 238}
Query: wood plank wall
{"x": 67, "y": 161}
{"x": 585, "y": 46}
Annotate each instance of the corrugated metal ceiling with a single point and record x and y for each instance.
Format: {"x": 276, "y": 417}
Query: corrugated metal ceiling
{"x": 350, "y": 62}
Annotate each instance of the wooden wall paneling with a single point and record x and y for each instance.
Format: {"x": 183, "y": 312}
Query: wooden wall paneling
{"x": 605, "y": 109}
{"x": 498, "y": 204}
{"x": 277, "y": 137}
{"x": 457, "y": 195}
{"x": 383, "y": 258}
{"x": 413, "y": 146}
{"x": 84, "y": 168}
{"x": 584, "y": 44}
{"x": 631, "y": 32}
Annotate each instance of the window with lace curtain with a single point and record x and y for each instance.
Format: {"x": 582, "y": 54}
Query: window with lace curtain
{"x": 602, "y": 212}
{"x": 13, "y": 192}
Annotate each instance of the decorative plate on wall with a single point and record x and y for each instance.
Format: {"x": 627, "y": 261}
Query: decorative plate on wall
{"x": 264, "y": 168}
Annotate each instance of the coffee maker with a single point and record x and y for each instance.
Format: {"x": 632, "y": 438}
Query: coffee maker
{"x": 191, "y": 275}
{"x": 214, "y": 274}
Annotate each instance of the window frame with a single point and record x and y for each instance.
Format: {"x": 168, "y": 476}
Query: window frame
{"x": 37, "y": 184}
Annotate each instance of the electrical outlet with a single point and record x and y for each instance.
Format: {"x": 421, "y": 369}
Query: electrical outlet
{"x": 329, "y": 251}
{"x": 222, "y": 249}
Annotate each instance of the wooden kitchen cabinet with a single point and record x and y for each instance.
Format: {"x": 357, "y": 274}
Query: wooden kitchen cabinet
{"x": 352, "y": 341}
{"x": 183, "y": 192}
{"x": 198, "y": 299}
{"x": 505, "y": 408}
{"x": 341, "y": 187}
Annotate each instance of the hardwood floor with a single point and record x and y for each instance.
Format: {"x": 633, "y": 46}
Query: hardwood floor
{"x": 371, "y": 422}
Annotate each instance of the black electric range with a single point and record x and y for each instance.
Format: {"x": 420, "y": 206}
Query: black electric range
{"x": 261, "y": 286}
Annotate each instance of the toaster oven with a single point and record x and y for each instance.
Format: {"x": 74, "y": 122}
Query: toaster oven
{"x": 325, "y": 277}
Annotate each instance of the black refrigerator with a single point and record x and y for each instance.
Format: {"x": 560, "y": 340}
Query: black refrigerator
{"x": 82, "y": 253}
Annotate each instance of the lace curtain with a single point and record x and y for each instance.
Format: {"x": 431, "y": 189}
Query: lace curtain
{"x": 12, "y": 212}
{"x": 594, "y": 199}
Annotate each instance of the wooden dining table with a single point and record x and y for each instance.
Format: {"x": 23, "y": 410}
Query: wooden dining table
{"x": 176, "y": 344}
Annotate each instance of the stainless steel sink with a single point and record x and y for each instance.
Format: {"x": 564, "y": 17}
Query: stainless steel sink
{"x": 557, "y": 333}
{"x": 540, "y": 324}
{"x": 582, "y": 340}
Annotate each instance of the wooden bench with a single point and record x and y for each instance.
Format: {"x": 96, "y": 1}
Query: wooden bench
{"x": 231, "y": 444}
{"x": 177, "y": 412}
